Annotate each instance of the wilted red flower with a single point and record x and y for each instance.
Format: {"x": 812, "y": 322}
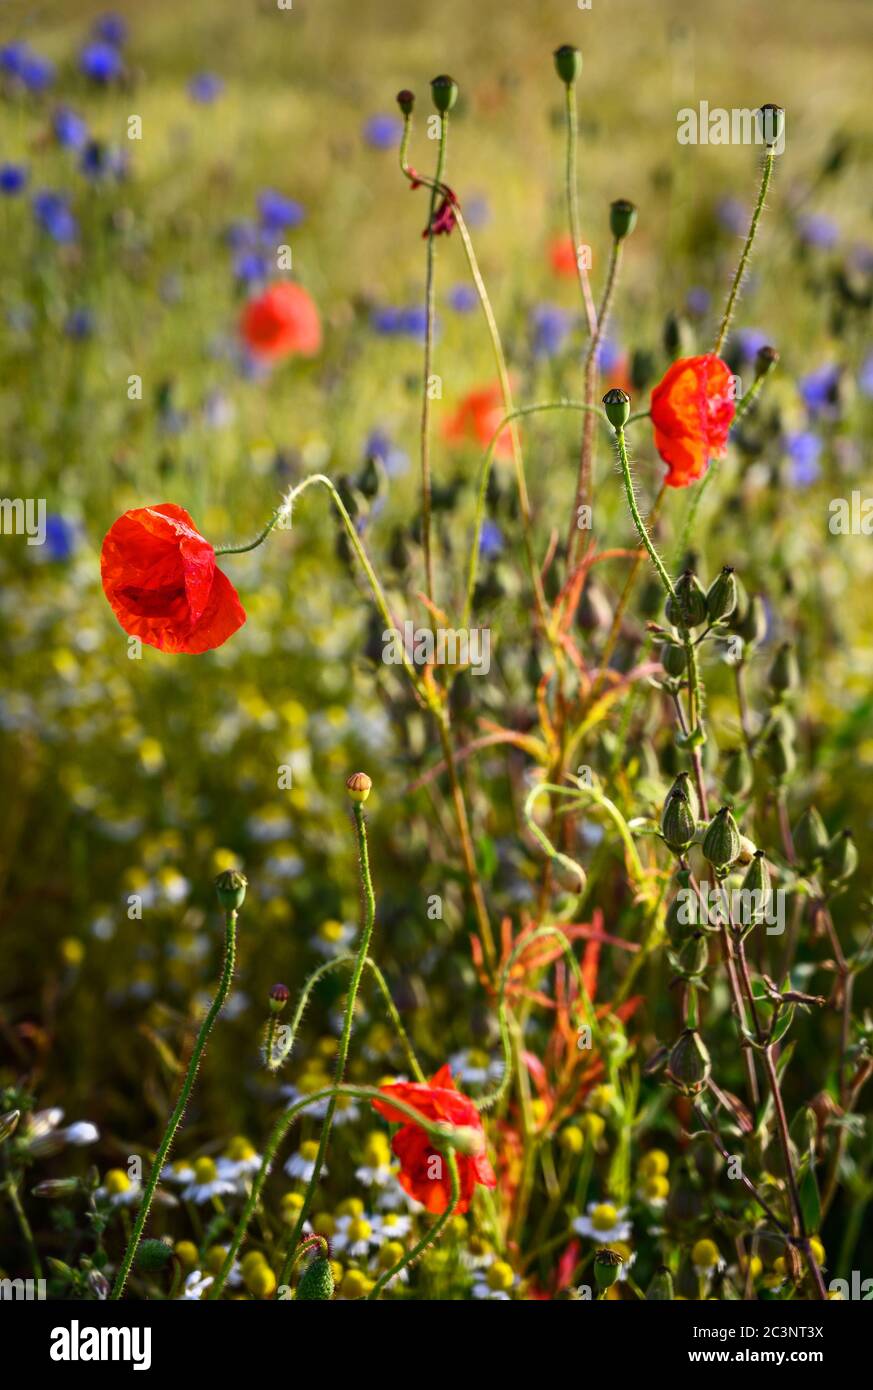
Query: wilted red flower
{"x": 161, "y": 580}
{"x": 476, "y": 419}
{"x": 692, "y": 409}
{"x": 420, "y": 1175}
{"x": 444, "y": 220}
{"x": 280, "y": 321}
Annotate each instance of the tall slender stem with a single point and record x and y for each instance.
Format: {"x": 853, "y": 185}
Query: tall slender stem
{"x": 181, "y": 1104}
{"x": 572, "y": 193}
{"x": 429, "y": 295}
{"x": 746, "y": 252}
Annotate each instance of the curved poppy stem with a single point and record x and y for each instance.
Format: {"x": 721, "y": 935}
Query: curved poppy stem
{"x": 181, "y": 1104}
{"x": 746, "y": 252}
{"x": 430, "y": 1234}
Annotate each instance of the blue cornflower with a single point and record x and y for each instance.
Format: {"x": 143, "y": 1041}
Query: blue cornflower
{"x": 249, "y": 266}
{"x": 60, "y": 537}
{"x": 609, "y": 356}
{"x": 462, "y": 298}
{"x": 111, "y": 28}
{"x": 52, "y": 212}
{"x": 750, "y": 341}
{"x": 242, "y": 236}
{"x": 278, "y": 212}
{"x": 101, "y": 62}
{"x": 803, "y": 449}
{"x": 13, "y": 178}
{"x": 698, "y": 300}
{"x": 820, "y": 390}
{"x": 733, "y": 214}
{"x": 490, "y": 540}
{"x": 550, "y": 325}
{"x": 79, "y": 324}
{"x": 34, "y": 72}
{"x": 98, "y": 161}
{"x": 205, "y": 87}
{"x": 477, "y": 212}
{"x": 70, "y": 129}
{"x": 382, "y": 132}
{"x": 379, "y": 445}
{"x": 816, "y": 230}
{"x": 399, "y": 322}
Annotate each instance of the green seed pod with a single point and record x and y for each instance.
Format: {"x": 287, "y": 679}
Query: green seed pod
{"x": 756, "y": 883}
{"x": 152, "y": 1255}
{"x": 721, "y": 843}
{"x": 771, "y": 122}
{"x": 752, "y": 626}
{"x": 765, "y": 360}
{"x": 694, "y": 957}
{"x": 406, "y": 101}
{"x": 810, "y": 836}
{"x": 673, "y": 659}
{"x": 677, "y": 822}
{"x": 616, "y": 403}
{"x": 56, "y": 1188}
{"x": 780, "y": 755}
{"x": 231, "y": 889}
{"x": 689, "y": 1066}
{"x": 568, "y": 63}
{"x": 660, "y": 1290}
{"x": 841, "y": 857}
{"x": 607, "y": 1267}
{"x": 622, "y": 218}
{"x": 721, "y": 597}
{"x": 444, "y": 91}
{"x": 688, "y": 608}
{"x": 738, "y": 775}
{"x": 316, "y": 1281}
{"x": 9, "y": 1124}
{"x": 784, "y": 674}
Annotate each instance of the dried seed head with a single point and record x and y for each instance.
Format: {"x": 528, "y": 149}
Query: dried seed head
{"x": 358, "y": 786}
{"x": 230, "y": 887}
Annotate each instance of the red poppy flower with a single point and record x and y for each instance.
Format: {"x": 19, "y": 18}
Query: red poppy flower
{"x": 161, "y": 580}
{"x": 420, "y": 1176}
{"x": 476, "y": 419}
{"x": 692, "y": 409}
{"x": 280, "y": 321}
{"x": 562, "y": 254}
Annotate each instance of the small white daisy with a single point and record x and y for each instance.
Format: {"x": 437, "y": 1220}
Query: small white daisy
{"x": 119, "y": 1189}
{"x": 302, "y": 1164}
{"x": 356, "y": 1234}
{"x": 604, "y": 1223}
{"x": 240, "y": 1159}
{"x": 332, "y": 937}
{"x": 496, "y": 1281}
{"x": 207, "y": 1183}
{"x": 196, "y": 1285}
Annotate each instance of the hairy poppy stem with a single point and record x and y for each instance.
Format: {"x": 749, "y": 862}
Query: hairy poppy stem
{"x": 368, "y": 901}
{"x": 571, "y": 188}
{"x": 429, "y": 294}
{"x": 181, "y": 1104}
{"x": 430, "y": 1234}
{"x": 743, "y": 262}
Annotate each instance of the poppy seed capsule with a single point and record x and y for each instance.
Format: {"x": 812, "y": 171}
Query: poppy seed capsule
{"x": 444, "y": 91}
{"x": 686, "y": 606}
{"x": 616, "y": 403}
{"x": 721, "y": 843}
{"x": 810, "y": 836}
{"x": 765, "y": 359}
{"x": 841, "y": 857}
{"x": 673, "y": 659}
{"x": 721, "y": 597}
{"x": 279, "y": 996}
{"x": 784, "y": 674}
{"x": 622, "y": 218}
{"x": 406, "y": 101}
{"x": 607, "y": 1267}
{"x": 568, "y": 63}
{"x": 677, "y": 822}
{"x": 771, "y": 121}
{"x": 358, "y": 786}
{"x": 231, "y": 889}
{"x": 689, "y": 1066}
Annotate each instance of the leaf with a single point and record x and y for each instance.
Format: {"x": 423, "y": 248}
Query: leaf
{"x": 783, "y": 1024}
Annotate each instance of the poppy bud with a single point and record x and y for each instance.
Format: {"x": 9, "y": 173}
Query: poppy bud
{"x": 568, "y": 63}
{"x": 756, "y": 880}
{"x": 771, "y": 120}
{"x": 752, "y": 624}
{"x": 607, "y": 1267}
{"x": 841, "y": 857}
{"x": 765, "y": 359}
{"x": 721, "y": 598}
{"x": 784, "y": 673}
{"x": 721, "y": 843}
{"x": 673, "y": 659}
{"x": 9, "y": 1124}
{"x": 622, "y": 218}
{"x": 316, "y": 1281}
{"x": 688, "y": 607}
{"x": 445, "y": 93}
{"x": 677, "y": 822}
{"x": 406, "y": 101}
{"x": 779, "y": 754}
{"x": 660, "y": 1290}
{"x": 616, "y": 403}
{"x": 358, "y": 786}
{"x": 689, "y": 1066}
{"x": 279, "y": 995}
{"x": 810, "y": 837}
{"x": 231, "y": 889}
{"x": 738, "y": 774}
{"x": 153, "y": 1255}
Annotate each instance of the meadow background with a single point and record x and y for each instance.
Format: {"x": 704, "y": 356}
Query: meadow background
{"x": 149, "y": 776}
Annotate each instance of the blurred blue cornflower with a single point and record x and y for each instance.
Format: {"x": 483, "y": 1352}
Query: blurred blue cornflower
{"x": 609, "y": 356}
{"x": 101, "y": 62}
{"x": 698, "y": 300}
{"x": 111, "y": 28}
{"x": 750, "y": 341}
{"x": 865, "y": 376}
{"x": 278, "y": 212}
{"x": 99, "y": 161}
{"x": 803, "y": 449}
{"x": 490, "y": 540}
{"x": 60, "y": 537}
{"x": 242, "y": 236}
{"x": 400, "y": 322}
{"x": 379, "y": 445}
{"x": 550, "y": 325}
{"x": 477, "y": 213}
{"x": 250, "y": 266}
{"x": 79, "y": 324}
{"x": 53, "y": 214}
{"x": 382, "y": 132}
{"x": 814, "y": 229}
{"x": 13, "y": 178}
{"x": 462, "y": 298}
{"x": 820, "y": 390}
{"x": 205, "y": 87}
{"x": 34, "y": 72}
{"x": 732, "y": 214}
{"x": 70, "y": 129}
